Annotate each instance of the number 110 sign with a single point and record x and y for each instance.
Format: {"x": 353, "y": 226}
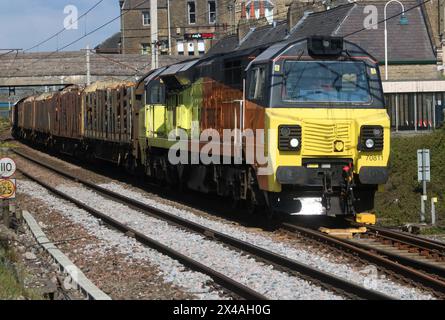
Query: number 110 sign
{"x": 7, "y": 167}
{"x": 7, "y": 186}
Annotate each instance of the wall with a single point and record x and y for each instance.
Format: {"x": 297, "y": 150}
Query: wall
{"x": 229, "y": 17}
{"x": 134, "y": 33}
{"x": 411, "y": 72}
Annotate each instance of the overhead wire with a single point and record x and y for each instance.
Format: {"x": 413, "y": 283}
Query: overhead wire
{"x": 64, "y": 29}
{"x": 247, "y": 21}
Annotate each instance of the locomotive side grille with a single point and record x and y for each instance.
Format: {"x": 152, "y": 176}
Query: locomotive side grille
{"x": 319, "y": 138}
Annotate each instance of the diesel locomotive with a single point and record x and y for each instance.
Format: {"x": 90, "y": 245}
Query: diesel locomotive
{"x": 297, "y": 127}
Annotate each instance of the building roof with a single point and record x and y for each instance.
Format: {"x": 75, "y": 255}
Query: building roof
{"x": 110, "y": 45}
{"x": 227, "y": 44}
{"x": 141, "y": 4}
{"x": 407, "y": 43}
{"x": 265, "y": 35}
{"x": 69, "y": 67}
{"x": 320, "y": 23}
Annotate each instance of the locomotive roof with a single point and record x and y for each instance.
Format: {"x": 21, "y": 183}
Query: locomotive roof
{"x": 151, "y": 75}
{"x": 275, "y": 50}
{"x": 179, "y": 67}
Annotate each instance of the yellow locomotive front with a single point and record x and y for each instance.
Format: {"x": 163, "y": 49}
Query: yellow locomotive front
{"x": 328, "y": 135}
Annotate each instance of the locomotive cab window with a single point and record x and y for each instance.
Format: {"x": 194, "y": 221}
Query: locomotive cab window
{"x": 325, "y": 82}
{"x": 155, "y": 92}
{"x": 257, "y": 83}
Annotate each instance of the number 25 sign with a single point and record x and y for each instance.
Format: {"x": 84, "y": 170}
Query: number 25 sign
{"x": 7, "y": 188}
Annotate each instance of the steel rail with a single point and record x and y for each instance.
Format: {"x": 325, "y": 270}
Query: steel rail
{"x": 379, "y": 258}
{"x": 324, "y": 279}
{"x": 219, "y": 278}
{"x": 422, "y": 243}
{"x": 414, "y": 263}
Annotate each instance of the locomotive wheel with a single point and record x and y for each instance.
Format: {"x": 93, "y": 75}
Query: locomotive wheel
{"x": 234, "y": 199}
{"x": 251, "y": 204}
{"x": 269, "y": 213}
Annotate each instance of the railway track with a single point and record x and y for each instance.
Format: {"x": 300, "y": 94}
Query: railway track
{"x": 222, "y": 280}
{"x": 401, "y": 254}
{"x": 318, "y": 277}
{"x": 407, "y": 249}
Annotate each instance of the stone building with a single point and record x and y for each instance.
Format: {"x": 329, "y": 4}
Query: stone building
{"x": 135, "y": 25}
{"x": 195, "y": 25}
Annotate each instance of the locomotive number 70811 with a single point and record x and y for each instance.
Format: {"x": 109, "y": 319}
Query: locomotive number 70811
{"x": 374, "y": 157}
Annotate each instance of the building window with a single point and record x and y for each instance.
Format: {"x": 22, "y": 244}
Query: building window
{"x": 191, "y": 48}
{"x": 191, "y": 10}
{"x": 146, "y": 18}
{"x": 201, "y": 47}
{"x": 180, "y": 48}
{"x": 145, "y": 48}
{"x": 212, "y": 11}
{"x": 269, "y": 14}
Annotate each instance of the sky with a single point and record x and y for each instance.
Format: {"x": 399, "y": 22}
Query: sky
{"x": 25, "y": 23}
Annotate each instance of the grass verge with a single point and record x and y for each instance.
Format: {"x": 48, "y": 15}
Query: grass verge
{"x": 11, "y": 278}
{"x": 400, "y": 202}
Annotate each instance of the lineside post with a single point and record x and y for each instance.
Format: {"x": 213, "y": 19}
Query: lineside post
{"x": 433, "y": 210}
{"x": 88, "y": 66}
{"x": 5, "y": 212}
{"x": 424, "y": 176}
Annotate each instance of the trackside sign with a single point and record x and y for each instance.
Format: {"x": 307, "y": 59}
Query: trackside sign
{"x": 7, "y": 167}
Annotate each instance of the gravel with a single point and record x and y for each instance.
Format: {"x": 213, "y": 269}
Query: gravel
{"x": 172, "y": 271}
{"x": 261, "y": 277}
{"x": 367, "y": 276}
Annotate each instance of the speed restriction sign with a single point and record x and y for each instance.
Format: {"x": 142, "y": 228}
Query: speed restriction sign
{"x": 7, "y": 167}
{"x": 7, "y": 188}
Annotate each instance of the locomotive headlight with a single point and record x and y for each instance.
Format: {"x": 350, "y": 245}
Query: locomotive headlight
{"x": 369, "y": 143}
{"x": 377, "y": 132}
{"x": 294, "y": 143}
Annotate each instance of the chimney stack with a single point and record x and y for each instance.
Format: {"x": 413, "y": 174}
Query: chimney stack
{"x": 252, "y": 9}
{"x": 243, "y": 9}
{"x": 262, "y": 12}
